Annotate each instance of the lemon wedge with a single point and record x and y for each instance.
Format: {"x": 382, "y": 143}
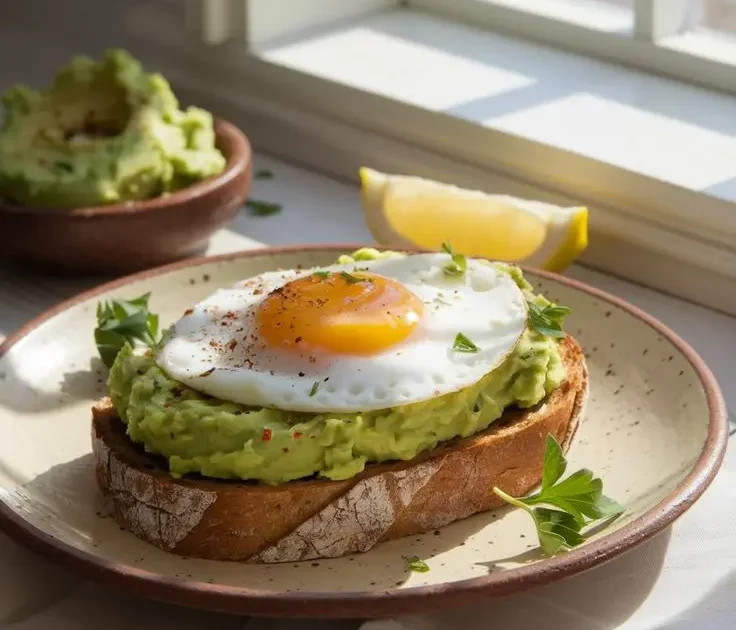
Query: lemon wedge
{"x": 404, "y": 211}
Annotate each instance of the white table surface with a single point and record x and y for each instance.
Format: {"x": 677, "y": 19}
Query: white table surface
{"x": 684, "y": 579}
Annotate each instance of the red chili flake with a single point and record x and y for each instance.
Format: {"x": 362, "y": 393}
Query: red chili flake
{"x": 232, "y": 344}
{"x": 297, "y": 435}
{"x": 266, "y": 435}
{"x": 189, "y": 311}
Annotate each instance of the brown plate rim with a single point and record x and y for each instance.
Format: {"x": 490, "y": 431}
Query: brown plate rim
{"x": 230, "y": 599}
{"x": 237, "y": 162}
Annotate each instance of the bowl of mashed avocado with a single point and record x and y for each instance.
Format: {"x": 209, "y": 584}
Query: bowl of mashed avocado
{"x": 104, "y": 172}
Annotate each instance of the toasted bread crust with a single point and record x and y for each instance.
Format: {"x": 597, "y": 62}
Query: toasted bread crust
{"x": 223, "y": 520}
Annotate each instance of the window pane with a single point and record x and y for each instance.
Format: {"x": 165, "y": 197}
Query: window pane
{"x": 718, "y": 15}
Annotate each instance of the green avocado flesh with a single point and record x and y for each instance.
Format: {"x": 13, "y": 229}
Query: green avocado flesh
{"x": 103, "y": 133}
{"x": 216, "y": 438}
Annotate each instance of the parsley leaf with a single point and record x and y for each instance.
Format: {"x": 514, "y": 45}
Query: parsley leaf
{"x": 65, "y": 166}
{"x": 416, "y": 564}
{"x": 124, "y": 321}
{"x": 557, "y": 530}
{"x": 322, "y": 274}
{"x": 351, "y": 279}
{"x": 547, "y": 320}
{"x": 262, "y": 208}
{"x": 463, "y": 344}
{"x": 315, "y": 387}
{"x": 458, "y": 264}
{"x": 554, "y": 464}
{"x": 263, "y": 173}
{"x": 578, "y": 500}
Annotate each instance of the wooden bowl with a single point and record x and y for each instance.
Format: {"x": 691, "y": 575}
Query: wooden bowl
{"x": 126, "y": 237}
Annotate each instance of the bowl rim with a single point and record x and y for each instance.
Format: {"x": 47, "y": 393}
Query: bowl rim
{"x": 368, "y": 604}
{"x": 238, "y": 161}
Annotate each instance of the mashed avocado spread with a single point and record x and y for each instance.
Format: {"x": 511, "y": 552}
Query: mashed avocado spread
{"x": 217, "y": 438}
{"x": 103, "y": 133}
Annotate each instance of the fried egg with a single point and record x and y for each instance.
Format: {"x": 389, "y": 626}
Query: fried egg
{"x": 348, "y": 338}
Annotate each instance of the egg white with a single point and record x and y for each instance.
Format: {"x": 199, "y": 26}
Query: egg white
{"x": 209, "y": 348}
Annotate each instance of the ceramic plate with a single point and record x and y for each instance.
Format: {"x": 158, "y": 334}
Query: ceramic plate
{"x": 655, "y": 430}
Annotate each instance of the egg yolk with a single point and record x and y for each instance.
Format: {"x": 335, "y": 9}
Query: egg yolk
{"x": 341, "y": 313}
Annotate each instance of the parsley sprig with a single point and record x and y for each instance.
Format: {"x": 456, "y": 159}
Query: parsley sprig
{"x": 578, "y": 500}
{"x": 547, "y": 320}
{"x": 458, "y": 264}
{"x": 124, "y": 321}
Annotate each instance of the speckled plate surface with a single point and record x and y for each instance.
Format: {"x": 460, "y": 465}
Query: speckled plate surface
{"x": 655, "y": 430}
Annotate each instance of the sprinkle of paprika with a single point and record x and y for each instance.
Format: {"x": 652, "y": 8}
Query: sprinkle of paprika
{"x": 266, "y": 435}
{"x": 297, "y": 435}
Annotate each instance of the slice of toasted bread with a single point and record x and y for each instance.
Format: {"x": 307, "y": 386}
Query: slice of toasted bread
{"x": 300, "y": 520}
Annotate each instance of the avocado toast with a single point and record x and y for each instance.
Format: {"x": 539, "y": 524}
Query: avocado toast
{"x": 348, "y": 494}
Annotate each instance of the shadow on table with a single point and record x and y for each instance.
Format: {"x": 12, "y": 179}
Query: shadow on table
{"x": 719, "y": 599}
{"x": 599, "y": 599}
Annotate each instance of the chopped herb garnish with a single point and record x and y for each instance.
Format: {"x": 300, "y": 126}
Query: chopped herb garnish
{"x": 63, "y": 165}
{"x": 351, "y": 279}
{"x": 463, "y": 344}
{"x": 416, "y": 564}
{"x": 547, "y": 320}
{"x": 315, "y": 387}
{"x": 263, "y": 208}
{"x": 458, "y": 264}
{"x": 264, "y": 173}
{"x": 323, "y": 274}
{"x": 124, "y": 321}
{"x": 579, "y": 500}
